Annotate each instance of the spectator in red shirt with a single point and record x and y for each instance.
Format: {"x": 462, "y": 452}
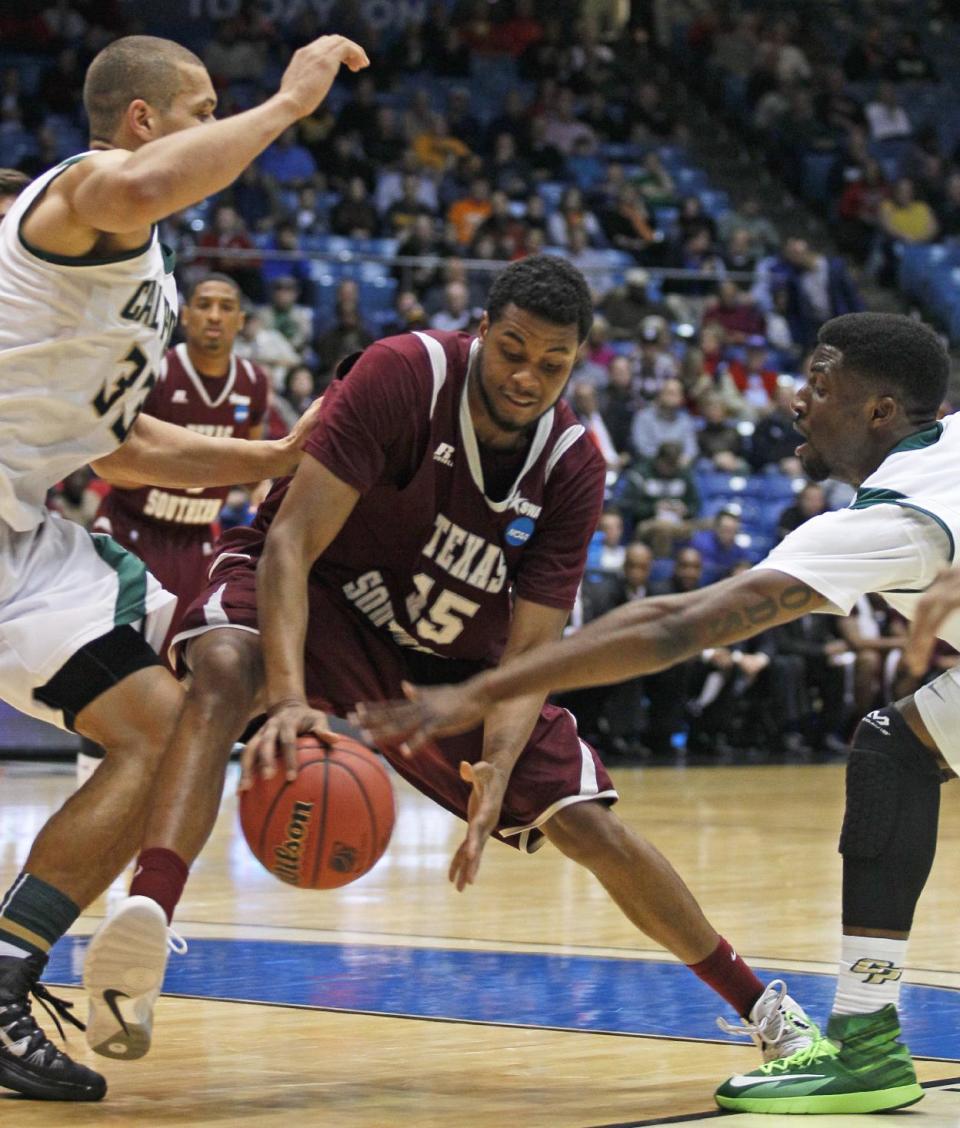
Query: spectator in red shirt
{"x": 228, "y": 233}
{"x": 736, "y": 312}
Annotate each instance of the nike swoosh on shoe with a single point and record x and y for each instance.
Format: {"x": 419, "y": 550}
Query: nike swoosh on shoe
{"x": 110, "y": 998}
{"x": 743, "y": 1080}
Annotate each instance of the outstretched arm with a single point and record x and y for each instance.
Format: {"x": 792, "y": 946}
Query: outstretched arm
{"x": 638, "y": 638}
{"x": 157, "y": 453}
{"x": 122, "y": 192}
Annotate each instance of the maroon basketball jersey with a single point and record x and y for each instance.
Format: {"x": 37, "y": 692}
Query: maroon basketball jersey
{"x": 224, "y": 408}
{"x": 430, "y": 553}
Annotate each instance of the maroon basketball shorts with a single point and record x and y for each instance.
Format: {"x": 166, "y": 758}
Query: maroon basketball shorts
{"x": 177, "y": 555}
{"x": 348, "y": 661}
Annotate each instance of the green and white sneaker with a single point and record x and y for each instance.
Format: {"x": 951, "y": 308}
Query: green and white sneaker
{"x": 859, "y": 1067}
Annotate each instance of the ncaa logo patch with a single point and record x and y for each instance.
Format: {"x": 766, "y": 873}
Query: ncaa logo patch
{"x": 241, "y": 412}
{"x": 518, "y": 532}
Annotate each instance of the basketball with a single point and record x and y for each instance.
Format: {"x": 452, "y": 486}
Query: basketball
{"x": 327, "y": 827}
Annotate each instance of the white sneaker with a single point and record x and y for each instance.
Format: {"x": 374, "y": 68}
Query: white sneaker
{"x": 123, "y": 974}
{"x": 777, "y": 1024}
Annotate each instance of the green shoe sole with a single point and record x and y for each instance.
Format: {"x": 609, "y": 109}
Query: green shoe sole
{"x": 879, "y": 1100}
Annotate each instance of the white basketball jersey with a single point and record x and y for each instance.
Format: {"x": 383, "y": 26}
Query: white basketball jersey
{"x": 898, "y": 532}
{"x": 81, "y": 341}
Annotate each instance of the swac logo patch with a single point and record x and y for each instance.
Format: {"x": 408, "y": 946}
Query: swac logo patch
{"x": 518, "y": 532}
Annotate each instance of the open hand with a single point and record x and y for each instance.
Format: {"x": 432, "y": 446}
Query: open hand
{"x": 428, "y": 712}
{"x": 483, "y": 813}
{"x": 311, "y": 71}
{"x": 278, "y": 740}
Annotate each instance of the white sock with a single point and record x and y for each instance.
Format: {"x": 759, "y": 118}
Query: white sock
{"x": 870, "y": 974}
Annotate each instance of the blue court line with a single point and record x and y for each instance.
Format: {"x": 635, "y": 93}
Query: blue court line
{"x": 568, "y": 992}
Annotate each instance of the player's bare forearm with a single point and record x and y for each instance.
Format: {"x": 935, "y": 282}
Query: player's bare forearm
{"x": 282, "y": 611}
{"x": 507, "y": 728}
{"x": 158, "y": 453}
{"x": 176, "y": 171}
{"x": 313, "y": 511}
{"x": 649, "y": 635}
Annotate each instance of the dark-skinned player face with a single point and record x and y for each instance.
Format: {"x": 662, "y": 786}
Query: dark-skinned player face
{"x": 522, "y": 367}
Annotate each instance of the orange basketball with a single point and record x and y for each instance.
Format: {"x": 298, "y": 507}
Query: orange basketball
{"x": 327, "y": 827}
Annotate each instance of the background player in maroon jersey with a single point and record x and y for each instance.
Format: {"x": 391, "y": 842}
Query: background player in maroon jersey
{"x": 440, "y": 524}
{"x": 208, "y": 390}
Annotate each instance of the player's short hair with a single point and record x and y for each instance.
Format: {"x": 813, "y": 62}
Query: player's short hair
{"x": 547, "y": 286}
{"x": 903, "y": 355}
{"x": 136, "y": 66}
{"x": 12, "y": 181}
{"x": 213, "y": 276}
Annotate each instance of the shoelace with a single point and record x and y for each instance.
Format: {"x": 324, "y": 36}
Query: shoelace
{"x": 176, "y": 943}
{"x": 818, "y": 1050}
{"x": 769, "y": 1028}
{"x": 56, "y": 1008}
{"x": 24, "y": 1025}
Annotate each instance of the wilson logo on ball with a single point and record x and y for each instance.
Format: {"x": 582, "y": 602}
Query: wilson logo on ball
{"x": 288, "y": 855}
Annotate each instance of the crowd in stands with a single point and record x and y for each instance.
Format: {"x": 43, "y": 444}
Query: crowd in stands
{"x": 856, "y": 108}
{"x": 490, "y": 131}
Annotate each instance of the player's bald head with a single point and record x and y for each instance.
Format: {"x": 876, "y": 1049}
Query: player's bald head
{"x": 136, "y": 66}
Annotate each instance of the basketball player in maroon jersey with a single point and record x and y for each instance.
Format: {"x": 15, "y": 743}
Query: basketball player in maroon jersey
{"x": 208, "y": 390}
{"x": 439, "y": 524}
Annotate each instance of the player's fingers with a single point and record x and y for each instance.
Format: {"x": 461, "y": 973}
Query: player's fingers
{"x": 287, "y": 748}
{"x": 265, "y": 751}
{"x": 247, "y": 759}
{"x": 321, "y": 731}
{"x": 354, "y": 55}
{"x": 456, "y": 866}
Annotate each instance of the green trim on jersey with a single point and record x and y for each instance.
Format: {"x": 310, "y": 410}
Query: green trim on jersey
{"x": 874, "y": 496}
{"x": 131, "y": 579}
{"x": 75, "y": 260}
{"x": 919, "y": 439}
{"x": 169, "y": 258}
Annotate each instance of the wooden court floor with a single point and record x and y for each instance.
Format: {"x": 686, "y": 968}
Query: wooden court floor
{"x": 527, "y": 1000}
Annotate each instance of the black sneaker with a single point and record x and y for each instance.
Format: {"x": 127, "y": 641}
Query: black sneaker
{"x": 29, "y": 1062}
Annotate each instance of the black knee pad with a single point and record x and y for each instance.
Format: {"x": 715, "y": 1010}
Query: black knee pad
{"x": 889, "y": 834}
{"x": 888, "y": 764}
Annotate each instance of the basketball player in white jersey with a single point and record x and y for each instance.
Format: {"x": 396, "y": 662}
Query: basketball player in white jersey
{"x": 868, "y": 416}
{"x": 87, "y": 302}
